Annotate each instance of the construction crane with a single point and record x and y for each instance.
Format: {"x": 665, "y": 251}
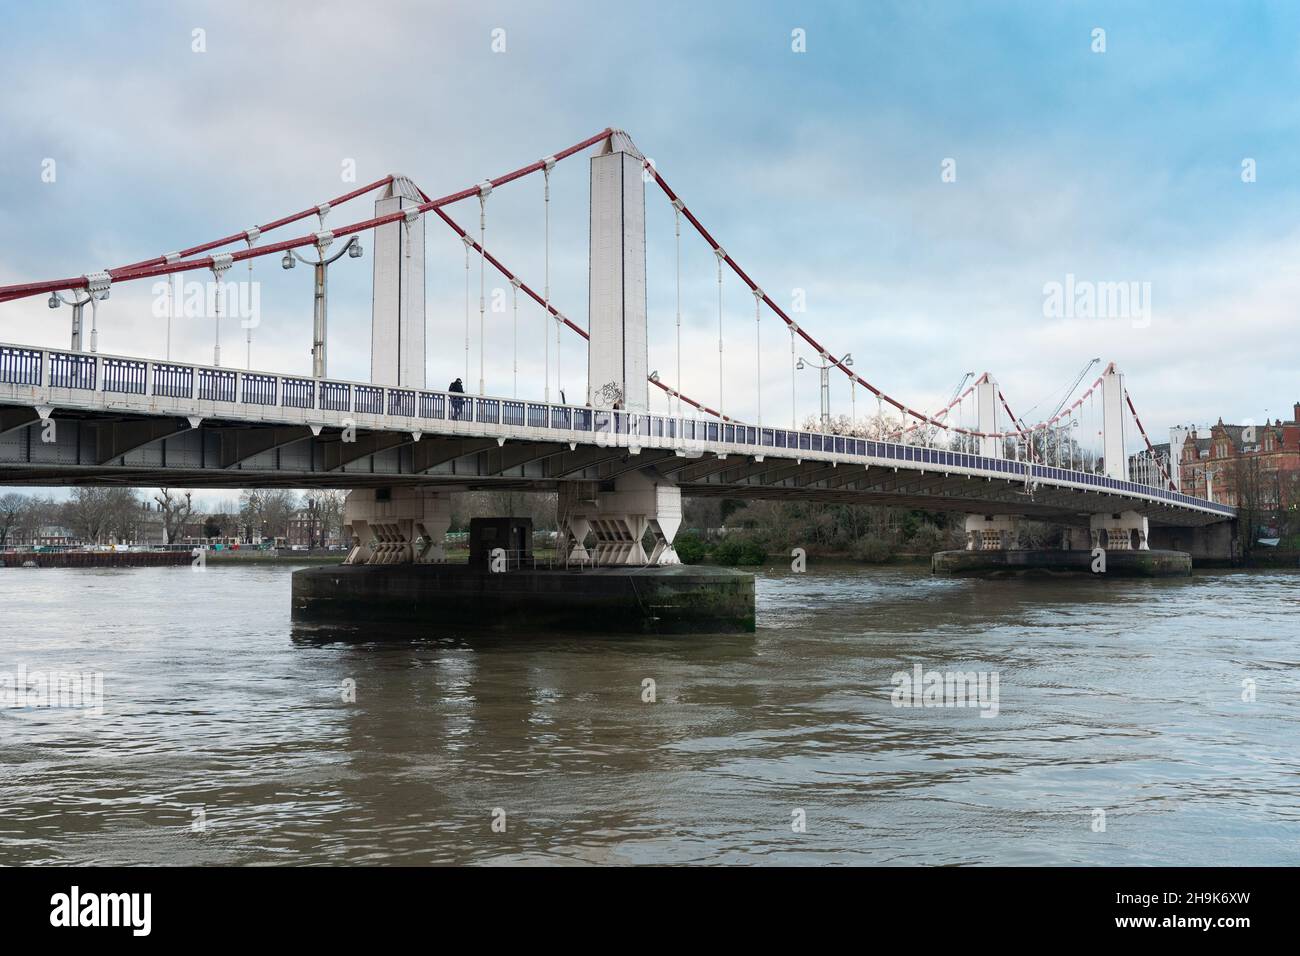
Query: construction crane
{"x": 960, "y": 385}
{"x": 1070, "y": 391}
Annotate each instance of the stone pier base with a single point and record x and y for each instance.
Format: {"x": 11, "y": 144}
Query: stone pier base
{"x": 1121, "y": 563}
{"x": 453, "y": 598}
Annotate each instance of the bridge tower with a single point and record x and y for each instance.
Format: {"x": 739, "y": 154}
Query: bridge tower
{"x": 401, "y": 525}
{"x": 986, "y": 404}
{"x": 1114, "y": 458}
{"x": 617, "y": 357}
{"x": 397, "y": 309}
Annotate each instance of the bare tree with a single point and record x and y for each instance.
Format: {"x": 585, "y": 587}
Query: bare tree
{"x": 326, "y": 505}
{"x": 13, "y": 506}
{"x": 175, "y": 513}
{"x": 265, "y": 512}
{"x": 97, "y": 514}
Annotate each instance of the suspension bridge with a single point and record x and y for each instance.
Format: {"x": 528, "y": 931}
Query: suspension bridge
{"x": 81, "y": 416}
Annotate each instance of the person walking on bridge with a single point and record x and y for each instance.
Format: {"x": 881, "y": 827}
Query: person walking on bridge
{"x": 456, "y": 403}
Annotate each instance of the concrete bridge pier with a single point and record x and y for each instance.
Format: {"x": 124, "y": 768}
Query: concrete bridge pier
{"x": 397, "y": 573}
{"x": 1125, "y": 531}
{"x": 992, "y": 532}
{"x": 619, "y": 518}
{"x": 398, "y": 525}
{"x": 1115, "y": 544}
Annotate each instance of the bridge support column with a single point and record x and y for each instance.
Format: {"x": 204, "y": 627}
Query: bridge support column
{"x": 986, "y": 406}
{"x": 1114, "y": 459}
{"x": 396, "y": 525}
{"x": 992, "y": 532}
{"x": 619, "y": 519}
{"x": 1126, "y": 531}
{"x": 397, "y": 309}
{"x": 617, "y": 357}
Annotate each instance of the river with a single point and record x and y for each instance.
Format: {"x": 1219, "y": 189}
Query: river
{"x": 1137, "y": 722}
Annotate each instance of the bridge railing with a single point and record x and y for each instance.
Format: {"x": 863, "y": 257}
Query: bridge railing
{"x": 83, "y": 372}
{"x": 20, "y": 366}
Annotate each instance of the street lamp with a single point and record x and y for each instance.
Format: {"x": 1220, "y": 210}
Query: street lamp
{"x": 847, "y": 362}
{"x": 78, "y": 305}
{"x": 320, "y": 265}
{"x": 826, "y": 388}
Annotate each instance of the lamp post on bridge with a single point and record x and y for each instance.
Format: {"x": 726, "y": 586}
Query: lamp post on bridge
{"x": 78, "y": 306}
{"x": 321, "y": 265}
{"x": 825, "y": 370}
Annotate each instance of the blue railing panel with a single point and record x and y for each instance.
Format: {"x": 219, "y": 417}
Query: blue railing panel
{"x": 369, "y": 400}
{"x": 335, "y": 397}
{"x": 433, "y": 405}
{"x": 259, "y": 389}
{"x": 301, "y": 393}
{"x": 124, "y": 375}
{"x": 20, "y": 366}
{"x": 71, "y": 370}
{"x": 216, "y": 385}
{"x": 401, "y": 402}
{"x": 173, "y": 381}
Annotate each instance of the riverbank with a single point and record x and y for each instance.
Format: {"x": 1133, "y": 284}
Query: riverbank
{"x": 253, "y": 556}
{"x": 93, "y": 559}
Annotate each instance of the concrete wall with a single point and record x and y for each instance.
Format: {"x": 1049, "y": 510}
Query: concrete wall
{"x": 1214, "y": 543}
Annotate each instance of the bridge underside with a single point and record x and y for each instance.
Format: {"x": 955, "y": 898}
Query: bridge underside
{"x": 153, "y": 451}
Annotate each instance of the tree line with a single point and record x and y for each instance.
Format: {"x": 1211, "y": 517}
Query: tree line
{"x": 129, "y": 515}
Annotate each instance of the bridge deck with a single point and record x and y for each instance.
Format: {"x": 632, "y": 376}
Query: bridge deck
{"x": 123, "y": 420}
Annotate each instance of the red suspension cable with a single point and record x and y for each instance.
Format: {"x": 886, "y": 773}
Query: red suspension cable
{"x": 118, "y": 273}
{"x": 510, "y": 276}
{"x": 753, "y": 287}
{"x": 148, "y": 272}
{"x": 1164, "y": 473}
{"x": 921, "y": 417}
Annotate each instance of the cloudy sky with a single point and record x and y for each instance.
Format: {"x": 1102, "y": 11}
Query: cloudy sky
{"x": 820, "y": 170}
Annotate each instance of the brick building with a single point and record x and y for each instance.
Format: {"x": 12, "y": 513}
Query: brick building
{"x": 1246, "y": 466}
{"x": 310, "y": 527}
